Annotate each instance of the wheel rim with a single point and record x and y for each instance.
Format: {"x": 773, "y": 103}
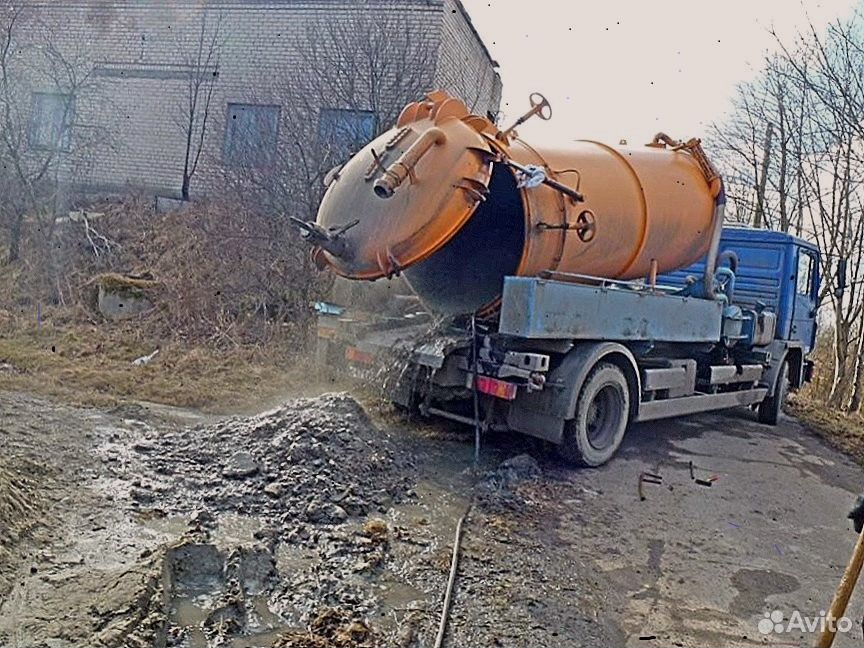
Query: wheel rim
{"x": 604, "y": 417}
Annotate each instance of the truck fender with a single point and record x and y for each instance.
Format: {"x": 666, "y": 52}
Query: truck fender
{"x": 791, "y": 352}
{"x": 542, "y": 414}
{"x": 581, "y": 360}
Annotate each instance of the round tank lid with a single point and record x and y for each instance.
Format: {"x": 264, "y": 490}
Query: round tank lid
{"x": 408, "y": 192}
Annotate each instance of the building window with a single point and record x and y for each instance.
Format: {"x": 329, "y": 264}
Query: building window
{"x": 251, "y": 134}
{"x": 344, "y": 132}
{"x": 51, "y": 121}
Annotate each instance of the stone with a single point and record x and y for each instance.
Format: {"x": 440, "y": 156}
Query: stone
{"x": 326, "y": 513}
{"x": 274, "y": 490}
{"x": 142, "y": 496}
{"x": 118, "y": 303}
{"x": 523, "y": 466}
{"x": 239, "y": 466}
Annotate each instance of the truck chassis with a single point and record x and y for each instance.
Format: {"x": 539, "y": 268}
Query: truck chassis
{"x": 561, "y": 363}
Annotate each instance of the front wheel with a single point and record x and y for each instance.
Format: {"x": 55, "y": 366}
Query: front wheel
{"x": 595, "y": 433}
{"x": 770, "y": 408}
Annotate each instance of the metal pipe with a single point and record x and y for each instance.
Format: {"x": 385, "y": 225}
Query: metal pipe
{"x": 714, "y": 249}
{"x": 539, "y": 106}
{"x": 397, "y": 172}
{"x": 538, "y": 173}
{"x": 663, "y": 138}
{"x": 474, "y": 391}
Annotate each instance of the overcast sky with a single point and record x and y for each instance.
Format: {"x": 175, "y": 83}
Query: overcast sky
{"x": 616, "y": 69}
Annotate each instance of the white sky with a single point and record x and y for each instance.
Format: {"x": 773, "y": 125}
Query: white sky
{"x": 616, "y": 69}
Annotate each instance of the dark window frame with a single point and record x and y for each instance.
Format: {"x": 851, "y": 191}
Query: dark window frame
{"x": 61, "y": 137}
{"x": 265, "y": 155}
{"x": 329, "y": 117}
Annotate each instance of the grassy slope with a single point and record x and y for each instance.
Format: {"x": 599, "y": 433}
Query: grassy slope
{"x": 93, "y": 365}
{"x": 843, "y": 431}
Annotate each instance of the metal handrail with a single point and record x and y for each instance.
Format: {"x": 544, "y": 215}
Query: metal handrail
{"x": 606, "y": 281}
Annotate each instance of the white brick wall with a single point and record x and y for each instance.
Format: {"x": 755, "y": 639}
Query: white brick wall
{"x": 464, "y": 66}
{"x": 263, "y": 43}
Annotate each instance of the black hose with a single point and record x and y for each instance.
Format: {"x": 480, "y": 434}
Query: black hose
{"x": 475, "y": 391}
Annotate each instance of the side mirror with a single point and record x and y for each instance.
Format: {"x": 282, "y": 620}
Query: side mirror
{"x": 840, "y": 285}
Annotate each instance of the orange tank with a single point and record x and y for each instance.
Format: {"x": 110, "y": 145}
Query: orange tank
{"x": 455, "y": 204}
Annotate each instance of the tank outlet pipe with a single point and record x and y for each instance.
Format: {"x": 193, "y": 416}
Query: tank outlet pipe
{"x": 332, "y": 239}
{"x": 714, "y": 250}
{"x": 402, "y": 168}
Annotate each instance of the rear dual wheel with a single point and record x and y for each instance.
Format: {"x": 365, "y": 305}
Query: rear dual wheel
{"x": 596, "y": 431}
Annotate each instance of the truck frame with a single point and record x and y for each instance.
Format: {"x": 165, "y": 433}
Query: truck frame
{"x": 575, "y": 359}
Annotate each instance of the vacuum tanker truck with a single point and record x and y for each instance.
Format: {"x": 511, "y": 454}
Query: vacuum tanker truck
{"x": 568, "y": 292}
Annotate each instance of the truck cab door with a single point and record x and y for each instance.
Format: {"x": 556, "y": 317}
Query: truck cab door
{"x": 805, "y": 303}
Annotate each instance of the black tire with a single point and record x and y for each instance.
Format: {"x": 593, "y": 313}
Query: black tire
{"x": 770, "y": 408}
{"x": 602, "y": 414}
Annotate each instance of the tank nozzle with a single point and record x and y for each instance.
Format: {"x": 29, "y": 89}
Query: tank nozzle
{"x": 402, "y": 168}
{"x": 330, "y": 239}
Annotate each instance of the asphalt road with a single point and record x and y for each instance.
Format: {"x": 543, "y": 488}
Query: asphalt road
{"x": 693, "y": 565}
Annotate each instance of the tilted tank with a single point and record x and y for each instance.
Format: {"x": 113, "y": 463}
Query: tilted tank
{"x": 532, "y": 240}
{"x": 455, "y": 204}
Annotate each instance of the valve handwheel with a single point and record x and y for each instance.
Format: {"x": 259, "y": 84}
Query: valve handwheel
{"x": 545, "y": 108}
{"x": 586, "y": 226}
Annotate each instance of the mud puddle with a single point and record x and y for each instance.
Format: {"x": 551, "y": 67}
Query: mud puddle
{"x": 220, "y": 597}
{"x": 226, "y": 587}
{"x": 307, "y": 526}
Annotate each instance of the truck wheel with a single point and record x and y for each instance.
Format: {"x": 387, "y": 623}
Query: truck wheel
{"x": 593, "y": 436}
{"x": 770, "y": 408}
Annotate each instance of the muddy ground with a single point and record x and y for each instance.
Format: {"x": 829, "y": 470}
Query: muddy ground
{"x": 317, "y": 524}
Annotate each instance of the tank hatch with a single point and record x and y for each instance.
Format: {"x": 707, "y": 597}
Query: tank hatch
{"x": 407, "y": 193}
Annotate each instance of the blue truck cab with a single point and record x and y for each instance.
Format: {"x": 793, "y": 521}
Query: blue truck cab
{"x": 776, "y": 271}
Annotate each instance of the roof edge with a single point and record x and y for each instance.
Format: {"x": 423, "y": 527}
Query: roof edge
{"x": 474, "y": 31}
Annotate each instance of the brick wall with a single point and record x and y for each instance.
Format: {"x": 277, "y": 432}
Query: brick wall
{"x": 138, "y": 51}
{"x": 465, "y": 67}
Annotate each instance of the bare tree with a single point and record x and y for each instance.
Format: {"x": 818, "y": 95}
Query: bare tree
{"x": 40, "y": 87}
{"x": 794, "y": 143}
{"x": 474, "y": 84}
{"x": 762, "y": 143}
{"x": 201, "y": 62}
{"x": 350, "y": 79}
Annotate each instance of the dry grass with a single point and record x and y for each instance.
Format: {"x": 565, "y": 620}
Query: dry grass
{"x": 92, "y": 365}
{"x": 842, "y": 430}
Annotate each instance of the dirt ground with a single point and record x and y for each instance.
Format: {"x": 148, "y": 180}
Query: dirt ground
{"x": 325, "y": 523}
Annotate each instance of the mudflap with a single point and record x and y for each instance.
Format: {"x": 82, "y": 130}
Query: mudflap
{"x": 532, "y": 419}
